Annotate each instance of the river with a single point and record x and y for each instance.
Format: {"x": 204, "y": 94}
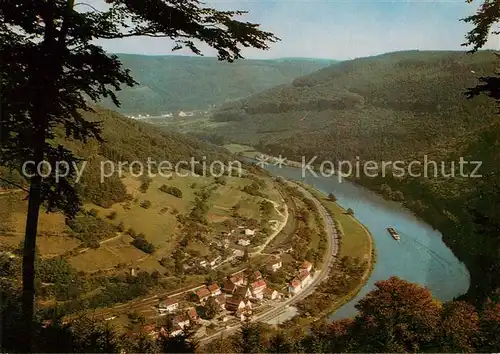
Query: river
{"x": 420, "y": 257}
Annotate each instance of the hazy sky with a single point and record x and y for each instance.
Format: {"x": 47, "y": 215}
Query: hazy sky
{"x": 338, "y": 29}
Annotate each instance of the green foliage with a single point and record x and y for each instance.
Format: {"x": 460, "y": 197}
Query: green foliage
{"x": 175, "y": 191}
{"x": 332, "y": 197}
{"x": 350, "y": 211}
{"x": 249, "y": 339}
{"x": 266, "y": 207}
{"x": 220, "y": 180}
{"x": 141, "y": 243}
{"x": 112, "y": 215}
{"x": 211, "y": 308}
{"x": 90, "y": 229}
{"x": 145, "y": 184}
{"x": 171, "y": 83}
{"x": 253, "y": 189}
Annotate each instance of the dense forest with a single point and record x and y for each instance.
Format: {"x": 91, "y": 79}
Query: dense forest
{"x": 396, "y": 106}
{"x": 172, "y": 83}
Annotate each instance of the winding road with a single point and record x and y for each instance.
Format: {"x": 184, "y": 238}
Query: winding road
{"x": 319, "y": 276}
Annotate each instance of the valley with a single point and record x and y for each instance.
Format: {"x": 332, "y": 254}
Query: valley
{"x": 400, "y": 106}
{"x": 180, "y": 176}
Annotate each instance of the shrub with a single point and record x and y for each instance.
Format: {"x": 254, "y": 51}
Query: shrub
{"x": 350, "y": 211}
{"x": 121, "y": 227}
{"x": 332, "y": 198}
{"x": 112, "y": 215}
{"x": 146, "y": 204}
{"x": 141, "y": 243}
{"x": 145, "y": 185}
{"x": 176, "y": 192}
{"x": 90, "y": 229}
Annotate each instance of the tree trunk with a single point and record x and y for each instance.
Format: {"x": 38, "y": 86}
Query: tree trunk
{"x": 34, "y": 203}
{"x": 28, "y": 299}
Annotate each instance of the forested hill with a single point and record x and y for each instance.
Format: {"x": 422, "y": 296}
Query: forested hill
{"x": 126, "y": 140}
{"x": 376, "y": 107}
{"x": 171, "y": 83}
{"x": 396, "y": 106}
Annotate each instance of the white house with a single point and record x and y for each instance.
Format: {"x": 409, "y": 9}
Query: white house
{"x": 221, "y": 300}
{"x": 214, "y": 289}
{"x": 181, "y": 321}
{"x": 304, "y": 277}
{"x": 169, "y": 305}
{"x": 176, "y": 331}
{"x": 234, "y": 304}
{"x": 238, "y": 253}
{"x": 271, "y": 294}
{"x": 215, "y": 260}
{"x": 295, "y": 286}
{"x": 258, "y": 288}
{"x": 238, "y": 279}
{"x": 243, "y": 242}
{"x": 275, "y": 263}
{"x": 249, "y": 232}
{"x": 243, "y": 292}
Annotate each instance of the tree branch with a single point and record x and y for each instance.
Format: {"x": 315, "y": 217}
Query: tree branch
{"x": 14, "y": 184}
{"x": 132, "y": 34}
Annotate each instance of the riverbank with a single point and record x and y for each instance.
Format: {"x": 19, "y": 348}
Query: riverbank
{"x": 421, "y": 256}
{"x": 355, "y": 242}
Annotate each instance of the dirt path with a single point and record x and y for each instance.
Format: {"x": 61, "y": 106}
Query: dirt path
{"x": 280, "y": 227}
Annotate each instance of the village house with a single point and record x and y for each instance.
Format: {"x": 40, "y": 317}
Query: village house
{"x": 243, "y": 314}
{"x": 256, "y": 275}
{"x": 169, "y": 305}
{"x": 221, "y": 300}
{"x": 181, "y": 321}
{"x": 243, "y": 241}
{"x": 271, "y": 294}
{"x": 203, "y": 263}
{"x": 295, "y": 286}
{"x": 229, "y": 287}
{"x": 249, "y": 232}
{"x": 236, "y": 303}
{"x": 150, "y": 330}
{"x": 275, "y": 263}
{"x": 307, "y": 266}
{"x": 215, "y": 260}
{"x": 238, "y": 253}
{"x": 202, "y": 294}
{"x": 238, "y": 279}
{"x": 192, "y": 315}
{"x": 214, "y": 289}
{"x": 243, "y": 291}
{"x": 176, "y": 331}
{"x": 304, "y": 277}
{"x": 258, "y": 288}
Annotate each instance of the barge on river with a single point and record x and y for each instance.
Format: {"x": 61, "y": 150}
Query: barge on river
{"x": 393, "y": 233}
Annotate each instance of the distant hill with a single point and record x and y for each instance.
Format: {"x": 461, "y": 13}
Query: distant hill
{"x": 396, "y": 106}
{"x": 376, "y": 107}
{"x": 172, "y": 83}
